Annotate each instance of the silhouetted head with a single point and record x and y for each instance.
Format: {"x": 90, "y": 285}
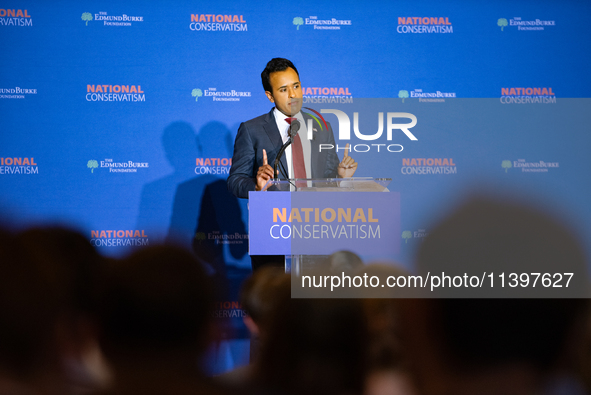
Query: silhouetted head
{"x": 519, "y": 330}
{"x": 315, "y": 346}
{"x": 157, "y": 302}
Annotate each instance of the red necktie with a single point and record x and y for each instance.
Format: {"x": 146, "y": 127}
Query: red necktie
{"x": 297, "y": 154}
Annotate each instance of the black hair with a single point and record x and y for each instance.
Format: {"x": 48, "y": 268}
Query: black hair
{"x": 275, "y": 64}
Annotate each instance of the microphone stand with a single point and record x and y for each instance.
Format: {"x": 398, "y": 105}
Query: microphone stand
{"x": 293, "y": 131}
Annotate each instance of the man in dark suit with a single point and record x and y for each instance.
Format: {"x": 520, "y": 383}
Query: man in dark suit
{"x": 259, "y": 140}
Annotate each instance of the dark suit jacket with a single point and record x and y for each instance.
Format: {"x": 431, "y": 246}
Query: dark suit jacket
{"x": 262, "y": 133}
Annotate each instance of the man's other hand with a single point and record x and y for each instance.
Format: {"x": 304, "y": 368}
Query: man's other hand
{"x": 348, "y": 166}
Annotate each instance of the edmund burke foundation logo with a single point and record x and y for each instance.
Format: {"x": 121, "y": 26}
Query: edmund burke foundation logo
{"x": 433, "y": 97}
{"x": 529, "y": 167}
{"x": 16, "y": 93}
{"x": 321, "y": 24}
{"x": 535, "y": 24}
{"x": 419, "y": 234}
{"x": 111, "y": 20}
{"x": 219, "y": 95}
{"x": 117, "y": 167}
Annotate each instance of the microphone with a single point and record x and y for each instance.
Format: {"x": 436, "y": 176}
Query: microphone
{"x": 294, "y": 128}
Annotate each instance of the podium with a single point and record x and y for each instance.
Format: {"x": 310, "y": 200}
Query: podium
{"x": 339, "y": 214}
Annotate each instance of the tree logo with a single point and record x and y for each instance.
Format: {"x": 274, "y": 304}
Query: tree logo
{"x": 87, "y": 16}
{"x": 407, "y": 234}
{"x": 502, "y": 23}
{"x": 200, "y": 236}
{"x": 298, "y": 22}
{"x": 403, "y": 95}
{"x": 92, "y": 164}
{"x": 196, "y": 93}
{"x": 506, "y": 164}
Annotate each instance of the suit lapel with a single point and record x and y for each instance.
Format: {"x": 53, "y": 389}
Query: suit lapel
{"x": 270, "y": 127}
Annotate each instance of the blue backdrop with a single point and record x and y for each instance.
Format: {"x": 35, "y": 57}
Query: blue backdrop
{"x": 118, "y": 117}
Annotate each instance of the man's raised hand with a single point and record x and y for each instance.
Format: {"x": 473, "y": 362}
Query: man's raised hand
{"x": 264, "y": 174}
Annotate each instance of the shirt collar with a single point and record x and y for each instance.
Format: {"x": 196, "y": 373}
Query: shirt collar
{"x": 282, "y": 123}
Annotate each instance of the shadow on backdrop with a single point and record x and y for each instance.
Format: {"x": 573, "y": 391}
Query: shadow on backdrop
{"x": 192, "y": 207}
{"x": 207, "y": 217}
{"x": 178, "y": 142}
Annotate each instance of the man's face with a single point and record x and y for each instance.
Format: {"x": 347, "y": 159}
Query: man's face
{"x": 286, "y": 91}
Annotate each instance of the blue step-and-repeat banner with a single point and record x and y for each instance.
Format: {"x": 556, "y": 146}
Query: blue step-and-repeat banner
{"x": 119, "y": 117}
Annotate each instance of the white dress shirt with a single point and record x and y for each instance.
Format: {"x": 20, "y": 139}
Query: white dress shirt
{"x": 283, "y": 127}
